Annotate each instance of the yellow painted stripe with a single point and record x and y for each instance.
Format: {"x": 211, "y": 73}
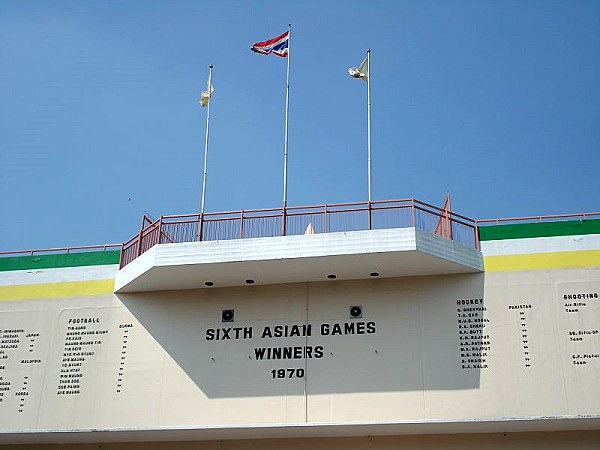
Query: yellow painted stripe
{"x": 53, "y": 290}
{"x": 550, "y": 260}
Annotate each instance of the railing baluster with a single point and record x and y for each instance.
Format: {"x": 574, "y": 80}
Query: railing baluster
{"x": 242, "y": 224}
{"x": 160, "y": 220}
{"x": 201, "y": 226}
{"x": 139, "y": 246}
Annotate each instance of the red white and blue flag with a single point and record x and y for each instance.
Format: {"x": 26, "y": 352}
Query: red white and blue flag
{"x": 278, "y": 45}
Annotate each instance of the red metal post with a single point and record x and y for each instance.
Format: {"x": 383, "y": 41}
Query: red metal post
{"x": 242, "y": 224}
{"x": 283, "y": 224}
{"x": 369, "y": 209}
{"x": 141, "y": 233}
{"x": 160, "y": 229}
{"x": 121, "y": 257}
{"x": 201, "y": 226}
{"x": 325, "y": 219}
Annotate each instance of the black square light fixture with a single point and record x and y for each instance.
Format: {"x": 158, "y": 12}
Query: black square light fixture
{"x": 227, "y": 315}
{"x": 356, "y": 312}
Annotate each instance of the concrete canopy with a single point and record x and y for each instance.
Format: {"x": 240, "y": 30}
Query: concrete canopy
{"x": 287, "y": 259}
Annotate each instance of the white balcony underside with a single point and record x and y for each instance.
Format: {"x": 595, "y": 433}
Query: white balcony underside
{"x": 289, "y": 259}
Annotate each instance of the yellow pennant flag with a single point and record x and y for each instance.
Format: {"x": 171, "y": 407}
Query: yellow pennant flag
{"x": 205, "y": 95}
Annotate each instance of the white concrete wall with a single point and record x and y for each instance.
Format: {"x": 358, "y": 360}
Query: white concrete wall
{"x": 148, "y": 362}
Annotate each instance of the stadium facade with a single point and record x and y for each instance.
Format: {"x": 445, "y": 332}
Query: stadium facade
{"x": 386, "y": 325}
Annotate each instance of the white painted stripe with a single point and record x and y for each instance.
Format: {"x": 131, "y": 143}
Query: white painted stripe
{"x": 57, "y": 275}
{"x": 541, "y": 245}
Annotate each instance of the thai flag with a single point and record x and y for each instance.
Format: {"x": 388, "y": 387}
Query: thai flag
{"x": 278, "y": 45}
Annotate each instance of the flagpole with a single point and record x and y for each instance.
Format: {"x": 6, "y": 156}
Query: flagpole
{"x": 287, "y": 106}
{"x": 369, "y": 120}
{"x": 210, "y": 68}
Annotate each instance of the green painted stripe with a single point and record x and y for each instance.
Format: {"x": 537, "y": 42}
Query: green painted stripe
{"x": 539, "y": 229}
{"x": 60, "y": 260}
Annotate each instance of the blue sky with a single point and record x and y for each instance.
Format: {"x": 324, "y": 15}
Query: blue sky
{"x": 496, "y": 102}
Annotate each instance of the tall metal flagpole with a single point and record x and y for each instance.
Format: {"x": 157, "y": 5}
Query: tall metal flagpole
{"x": 287, "y": 105}
{"x": 210, "y": 68}
{"x": 369, "y": 120}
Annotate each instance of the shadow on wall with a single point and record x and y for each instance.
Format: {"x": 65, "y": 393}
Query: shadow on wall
{"x": 416, "y": 333}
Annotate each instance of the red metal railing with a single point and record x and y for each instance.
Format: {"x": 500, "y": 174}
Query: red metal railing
{"x": 295, "y": 220}
{"x": 80, "y": 249}
{"x": 554, "y": 217}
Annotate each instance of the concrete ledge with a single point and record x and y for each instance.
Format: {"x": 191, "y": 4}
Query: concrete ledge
{"x": 298, "y": 430}
{"x": 289, "y": 259}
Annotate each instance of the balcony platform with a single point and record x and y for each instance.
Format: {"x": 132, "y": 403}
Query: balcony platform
{"x": 351, "y": 255}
